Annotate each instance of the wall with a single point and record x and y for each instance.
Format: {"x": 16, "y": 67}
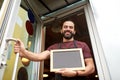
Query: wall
{"x": 107, "y": 17}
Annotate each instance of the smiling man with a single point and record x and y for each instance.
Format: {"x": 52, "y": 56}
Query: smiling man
{"x": 68, "y": 31}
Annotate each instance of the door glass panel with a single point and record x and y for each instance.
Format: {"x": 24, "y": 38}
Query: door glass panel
{"x": 22, "y": 30}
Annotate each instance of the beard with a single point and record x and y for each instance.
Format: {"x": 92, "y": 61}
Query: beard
{"x": 68, "y": 36}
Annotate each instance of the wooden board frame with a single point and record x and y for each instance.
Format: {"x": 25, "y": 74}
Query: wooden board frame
{"x": 63, "y": 58}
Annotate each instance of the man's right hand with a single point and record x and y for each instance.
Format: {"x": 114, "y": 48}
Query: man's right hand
{"x": 19, "y": 47}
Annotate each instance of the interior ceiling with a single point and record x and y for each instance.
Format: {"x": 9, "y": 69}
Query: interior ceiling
{"x": 45, "y": 7}
{"x": 48, "y": 8}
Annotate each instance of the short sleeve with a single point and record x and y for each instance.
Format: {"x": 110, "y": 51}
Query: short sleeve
{"x": 86, "y": 51}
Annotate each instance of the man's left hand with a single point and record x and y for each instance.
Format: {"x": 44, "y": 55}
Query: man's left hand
{"x": 67, "y": 72}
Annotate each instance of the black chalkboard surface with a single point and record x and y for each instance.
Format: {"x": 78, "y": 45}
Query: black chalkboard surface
{"x": 67, "y": 58}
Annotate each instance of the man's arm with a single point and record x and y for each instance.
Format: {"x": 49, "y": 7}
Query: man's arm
{"x": 89, "y": 69}
{"x": 37, "y": 56}
{"x": 20, "y": 48}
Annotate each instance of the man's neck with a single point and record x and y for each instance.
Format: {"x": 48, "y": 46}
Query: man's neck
{"x": 68, "y": 40}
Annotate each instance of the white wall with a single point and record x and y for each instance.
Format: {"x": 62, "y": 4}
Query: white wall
{"x": 107, "y": 18}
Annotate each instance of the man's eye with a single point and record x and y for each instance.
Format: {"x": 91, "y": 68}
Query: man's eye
{"x": 71, "y": 27}
{"x": 65, "y": 26}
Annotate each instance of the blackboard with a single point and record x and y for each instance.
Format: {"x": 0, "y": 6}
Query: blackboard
{"x": 66, "y": 58}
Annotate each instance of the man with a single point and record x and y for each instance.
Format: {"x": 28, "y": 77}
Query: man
{"x": 68, "y": 32}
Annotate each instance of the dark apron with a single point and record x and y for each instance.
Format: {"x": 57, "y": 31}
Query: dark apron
{"x": 59, "y": 77}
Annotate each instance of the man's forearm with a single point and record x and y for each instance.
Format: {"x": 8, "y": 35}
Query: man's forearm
{"x": 36, "y": 56}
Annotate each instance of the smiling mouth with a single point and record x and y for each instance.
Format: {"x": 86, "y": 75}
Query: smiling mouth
{"x": 67, "y": 33}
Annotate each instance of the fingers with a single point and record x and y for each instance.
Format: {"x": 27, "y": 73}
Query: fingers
{"x": 66, "y": 72}
{"x": 18, "y": 42}
{"x": 17, "y": 46}
{"x": 60, "y": 71}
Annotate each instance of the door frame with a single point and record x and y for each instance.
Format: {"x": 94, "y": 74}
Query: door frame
{"x": 101, "y": 64}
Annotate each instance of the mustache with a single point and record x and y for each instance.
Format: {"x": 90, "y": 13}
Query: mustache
{"x": 67, "y": 31}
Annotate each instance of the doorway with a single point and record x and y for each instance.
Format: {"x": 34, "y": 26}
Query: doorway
{"x": 53, "y": 36}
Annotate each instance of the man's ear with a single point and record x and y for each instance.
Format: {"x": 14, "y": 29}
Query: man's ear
{"x": 75, "y": 32}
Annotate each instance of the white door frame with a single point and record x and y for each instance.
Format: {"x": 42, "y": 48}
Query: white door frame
{"x": 101, "y": 64}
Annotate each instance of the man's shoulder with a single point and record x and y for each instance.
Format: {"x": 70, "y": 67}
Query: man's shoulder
{"x": 54, "y": 46}
{"x": 80, "y": 42}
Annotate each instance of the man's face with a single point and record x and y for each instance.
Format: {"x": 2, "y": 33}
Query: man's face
{"x": 68, "y": 30}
